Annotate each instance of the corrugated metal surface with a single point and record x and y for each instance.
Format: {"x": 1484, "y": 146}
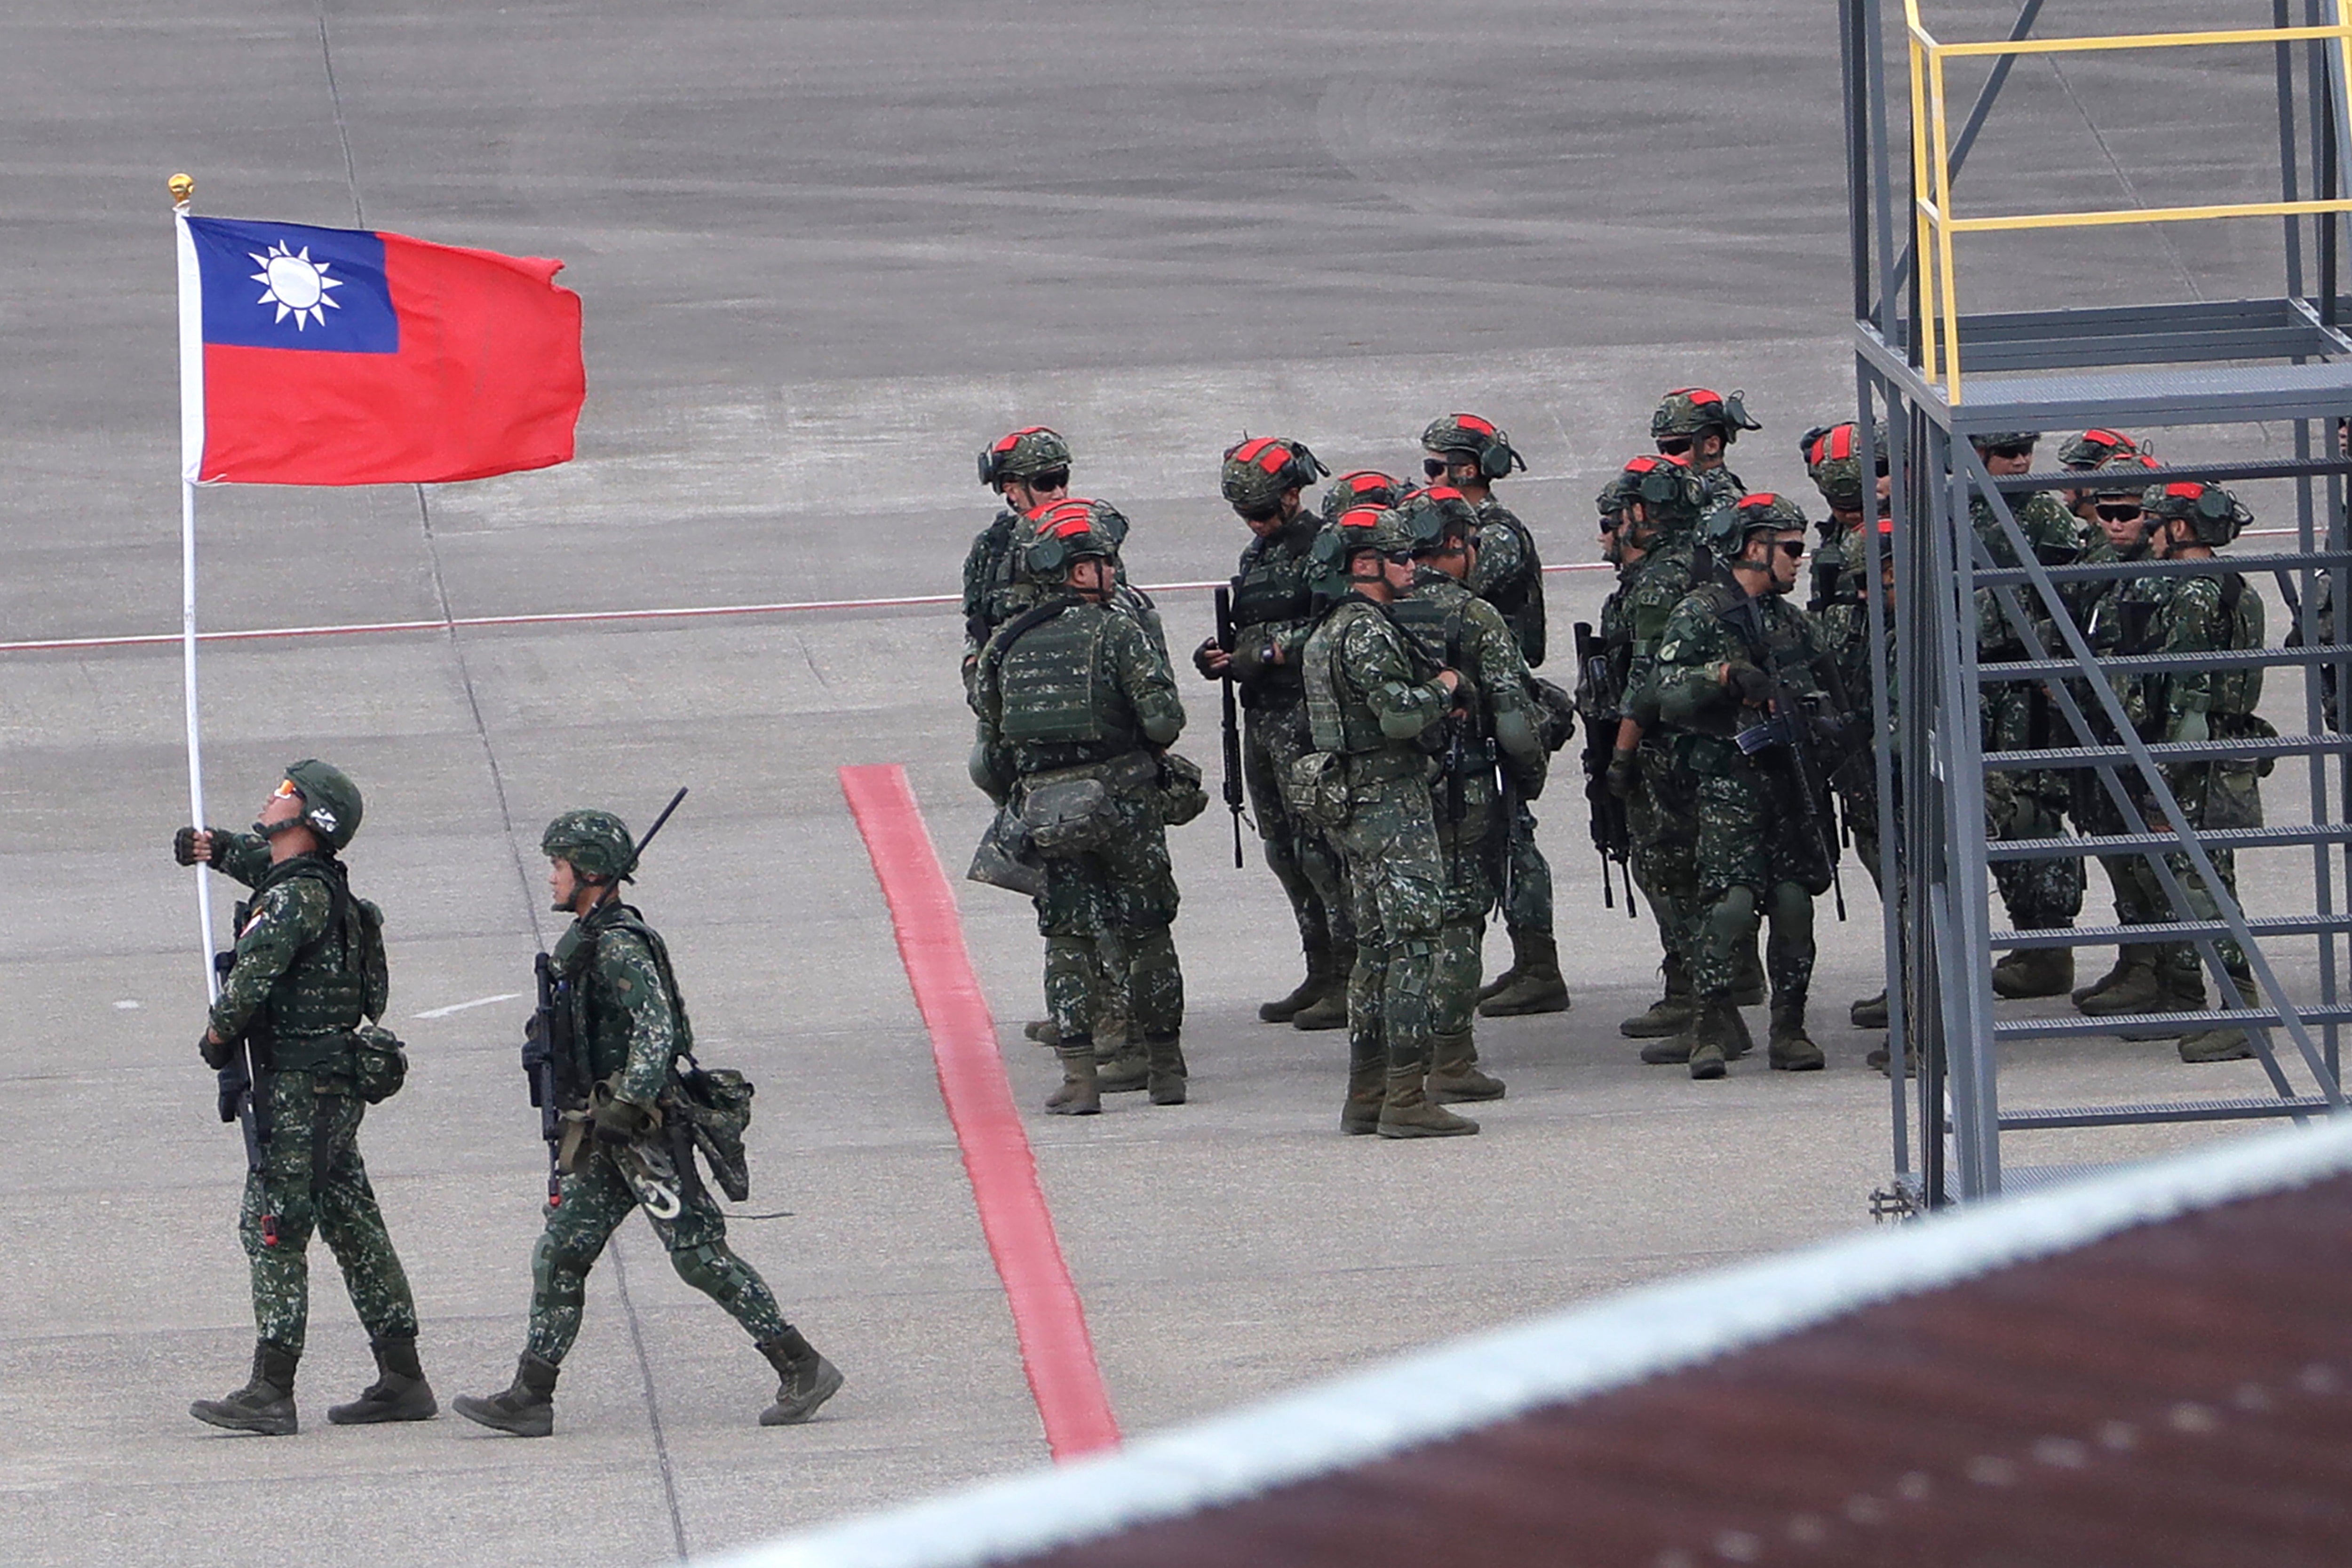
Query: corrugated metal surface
{"x": 2176, "y": 1395}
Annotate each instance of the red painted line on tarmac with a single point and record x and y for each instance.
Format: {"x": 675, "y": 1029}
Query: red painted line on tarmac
{"x": 1056, "y": 1351}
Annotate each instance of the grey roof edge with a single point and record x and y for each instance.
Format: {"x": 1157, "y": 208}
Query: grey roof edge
{"x": 1441, "y": 1393}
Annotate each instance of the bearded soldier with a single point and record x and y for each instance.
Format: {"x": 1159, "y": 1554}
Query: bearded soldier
{"x": 1698, "y": 424}
{"x": 1077, "y": 707}
{"x": 1494, "y": 722}
{"x": 1468, "y": 454}
{"x": 628, "y": 1023}
{"x": 2202, "y": 612}
{"x": 1740, "y": 679}
{"x": 1376, "y": 706}
{"x": 1273, "y": 610}
{"x": 285, "y": 1035}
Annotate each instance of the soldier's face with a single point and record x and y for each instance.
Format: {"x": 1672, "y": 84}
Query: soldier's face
{"x": 1455, "y": 469}
{"x": 563, "y": 885}
{"x": 1024, "y": 496}
{"x": 284, "y": 805}
{"x": 1787, "y": 559}
{"x": 1092, "y": 576}
{"x": 2122, "y": 522}
{"x": 2000, "y": 460}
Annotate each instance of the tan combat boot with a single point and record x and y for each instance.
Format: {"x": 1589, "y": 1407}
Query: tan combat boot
{"x": 1538, "y": 988}
{"x": 1165, "y": 1064}
{"x": 1790, "y": 1048}
{"x": 1079, "y": 1095}
{"x": 1454, "y": 1072}
{"x": 1670, "y": 1014}
{"x": 1407, "y": 1112}
{"x": 1330, "y": 1011}
{"x": 2031, "y": 972}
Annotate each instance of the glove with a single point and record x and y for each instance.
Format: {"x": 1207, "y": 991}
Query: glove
{"x": 1750, "y": 684}
{"x": 619, "y": 1121}
{"x": 2192, "y": 726}
{"x": 1619, "y": 775}
{"x": 1200, "y": 661}
{"x": 232, "y": 1085}
{"x": 216, "y": 1053}
{"x": 184, "y": 845}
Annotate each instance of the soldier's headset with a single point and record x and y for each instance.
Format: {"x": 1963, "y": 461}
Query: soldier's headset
{"x": 1663, "y": 480}
{"x": 1496, "y": 456}
{"x": 1288, "y": 463}
{"x": 1049, "y": 552}
{"x": 2214, "y": 503}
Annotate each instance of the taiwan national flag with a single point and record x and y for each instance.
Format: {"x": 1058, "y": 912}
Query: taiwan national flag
{"x": 333, "y": 356}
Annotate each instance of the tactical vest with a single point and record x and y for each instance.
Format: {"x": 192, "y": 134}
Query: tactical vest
{"x": 1518, "y": 597}
{"x": 1053, "y": 688}
{"x": 1433, "y": 618}
{"x": 1766, "y": 637}
{"x": 608, "y": 1047}
{"x": 1337, "y": 714}
{"x": 336, "y": 977}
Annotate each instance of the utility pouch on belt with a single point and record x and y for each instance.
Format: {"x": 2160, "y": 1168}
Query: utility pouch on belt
{"x": 715, "y": 1104}
{"x": 379, "y": 1063}
{"x": 1182, "y": 793}
{"x": 1068, "y": 817}
{"x": 1005, "y": 858}
{"x": 1318, "y": 789}
{"x": 1556, "y": 713}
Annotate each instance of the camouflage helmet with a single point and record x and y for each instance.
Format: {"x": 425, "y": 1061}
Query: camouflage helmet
{"x": 1479, "y": 437}
{"x": 1381, "y": 528}
{"x": 1359, "y": 487}
{"x": 1728, "y": 528}
{"x": 1071, "y": 530}
{"x": 2213, "y": 514}
{"x": 1992, "y": 440}
{"x": 1435, "y": 514}
{"x": 2120, "y": 475}
{"x": 1672, "y": 496}
{"x": 2096, "y": 449}
{"x": 596, "y": 843}
{"x": 1687, "y": 410}
{"x": 1613, "y": 498}
{"x": 1833, "y": 455}
{"x": 1258, "y": 471}
{"x": 1024, "y": 455}
{"x": 330, "y": 802}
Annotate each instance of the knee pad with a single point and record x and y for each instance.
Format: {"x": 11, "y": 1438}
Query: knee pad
{"x": 705, "y": 1268}
{"x": 1791, "y": 902}
{"x": 559, "y": 1277}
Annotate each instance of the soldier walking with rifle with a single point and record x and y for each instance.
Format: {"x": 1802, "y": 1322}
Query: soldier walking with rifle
{"x": 1262, "y": 626}
{"x": 605, "y": 1048}
{"x": 297, "y": 1067}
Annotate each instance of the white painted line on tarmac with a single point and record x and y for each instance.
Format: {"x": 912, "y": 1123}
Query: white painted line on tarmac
{"x": 461, "y": 1006}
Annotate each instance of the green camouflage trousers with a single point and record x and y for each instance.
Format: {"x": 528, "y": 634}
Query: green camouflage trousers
{"x": 2211, "y": 797}
{"x": 1302, "y": 857}
{"x": 1105, "y": 917}
{"x": 1757, "y": 857}
{"x": 341, "y": 1208}
{"x": 593, "y": 1202}
{"x": 2039, "y": 894}
{"x": 1661, "y": 820}
{"x": 1529, "y": 906}
{"x": 1398, "y": 880}
{"x": 1469, "y": 851}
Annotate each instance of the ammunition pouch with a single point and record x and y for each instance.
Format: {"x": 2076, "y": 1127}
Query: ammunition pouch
{"x": 1005, "y": 858}
{"x": 1317, "y": 789}
{"x": 1556, "y": 713}
{"x": 379, "y": 1063}
{"x": 1070, "y": 811}
{"x": 714, "y": 1108}
{"x": 1183, "y": 793}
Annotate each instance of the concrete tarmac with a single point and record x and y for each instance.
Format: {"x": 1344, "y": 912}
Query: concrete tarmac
{"x": 827, "y": 255}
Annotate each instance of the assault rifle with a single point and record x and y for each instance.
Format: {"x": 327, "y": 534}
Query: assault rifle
{"x": 1230, "y": 719}
{"x": 1795, "y": 720}
{"x": 245, "y": 1098}
{"x": 1612, "y": 833}
{"x": 551, "y": 1058}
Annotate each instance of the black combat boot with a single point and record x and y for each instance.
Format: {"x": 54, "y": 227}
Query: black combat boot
{"x": 1079, "y": 1094}
{"x": 266, "y": 1402}
{"x": 527, "y": 1408}
{"x": 1747, "y": 975}
{"x": 1790, "y": 1048}
{"x": 1165, "y": 1060}
{"x": 1869, "y": 1013}
{"x": 398, "y": 1393}
{"x": 807, "y": 1379}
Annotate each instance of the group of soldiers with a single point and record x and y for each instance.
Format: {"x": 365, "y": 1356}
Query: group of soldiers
{"x": 1381, "y": 650}
{"x": 296, "y": 1038}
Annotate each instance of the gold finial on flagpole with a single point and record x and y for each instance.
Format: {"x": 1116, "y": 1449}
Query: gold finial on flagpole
{"x": 183, "y": 187}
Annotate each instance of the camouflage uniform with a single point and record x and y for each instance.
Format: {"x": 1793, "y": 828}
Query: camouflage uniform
{"x": 1509, "y": 576}
{"x": 630, "y": 1026}
{"x": 1662, "y": 810}
{"x": 1372, "y": 702}
{"x": 297, "y": 981}
{"x": 1073, "y": 690}
{"x": 1458, "y": 630}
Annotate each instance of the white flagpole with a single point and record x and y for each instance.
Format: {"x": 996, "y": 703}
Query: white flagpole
{"x": 192, "y": 451}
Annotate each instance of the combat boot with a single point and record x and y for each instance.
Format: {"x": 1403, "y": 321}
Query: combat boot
{"x": 2134, "y": 990}
{"x": 1675, "y": 1048}
{"x": 2180, "y": 993}
{"x": 1367, "y": 1090}
{"x": 1747, "y": 976}
{"x": 266, "y": 1402}
{"x": 1670, "y": 1014}
{"x": 1311, "y": 990}
{"x": 1165, "y": 1066}
{"x": 1079, "y": 1094}
{"x": 1710, "y": 1034}
{"x": 1790, "y": 1049}
{"x": 1538, "y": 988}
{"x": 527, "y": 1408}
{"x": 1407, "y": 1111}
{"x": 1503, "y": 982}
{"x": 398, "y": 1393}
{"x": 1330, "y": 1011}
{"x": 2130, "y": 959}
{"x": 1121, "y": 1066}
{"x": 1870, "y": 1013}
{"x": 1454, "y": 1072}
{"x": 1044, "y": 1031}
{"x": 807, "y": 1379}
{"x": 2029, "y": 971}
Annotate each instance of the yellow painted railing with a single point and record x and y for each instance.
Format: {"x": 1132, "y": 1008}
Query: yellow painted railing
{"x": 1931, "y": 165}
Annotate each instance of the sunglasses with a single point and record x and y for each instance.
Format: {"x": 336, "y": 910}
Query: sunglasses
{"x": 1436, "y": 468}
{"x": 2120, "y": 511}
{"x": 2008, "y": 452}
{"x": 1794, "y": 549}
{"x": 1674, "y": 446}
{"x": 1259, "y": 514}
{"x": 1398, "y": 557}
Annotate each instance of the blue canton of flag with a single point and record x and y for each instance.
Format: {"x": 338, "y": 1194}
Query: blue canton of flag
{"x": 291, "y": 286}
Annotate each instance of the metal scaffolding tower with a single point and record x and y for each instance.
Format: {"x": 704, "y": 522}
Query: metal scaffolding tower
{"x": 1937, "y": 375}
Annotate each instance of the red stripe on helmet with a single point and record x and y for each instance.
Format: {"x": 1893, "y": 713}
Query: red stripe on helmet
{"x": 2188, "y": 490}
{"x": 1472, "y": 422}
{"x": 1444, "y": 493}
{"x": 1367, "y": 479}
{"x": 1840, "y": 442}
{"x": 2111, "y": 439}
{"x": 1361, "y": 516}
{"x": 1696, "y": 394}
{"x": 1248, "y": 450}
{"x": 1052, "y": 518}
{"x": 1643, "y": 465}
{"x": 1275, "y": 460}
{"x": 1013, "y": 441}
{"x": 1757, "y": 499}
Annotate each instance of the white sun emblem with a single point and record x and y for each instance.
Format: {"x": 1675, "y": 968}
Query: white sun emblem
{"x": 295, "y": 284}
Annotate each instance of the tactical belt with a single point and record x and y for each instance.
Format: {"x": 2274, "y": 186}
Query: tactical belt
{"x": 1136, "y": 769}
{"x": 1377, "y": 767}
